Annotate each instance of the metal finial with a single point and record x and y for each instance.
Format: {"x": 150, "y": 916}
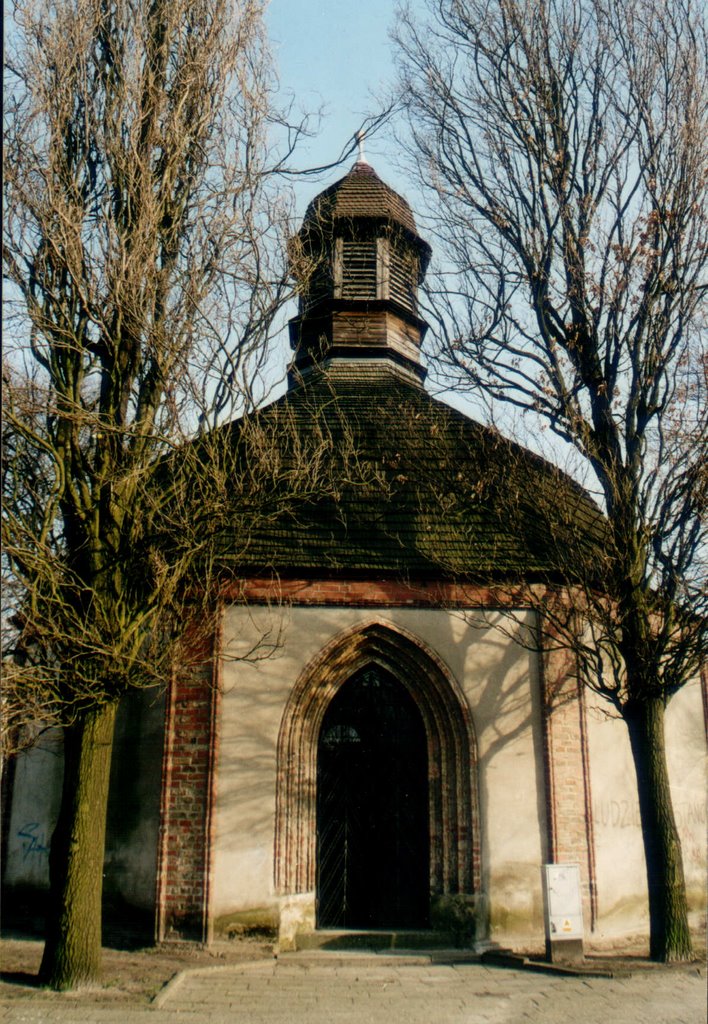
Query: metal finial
{"x": 361, "y": 158}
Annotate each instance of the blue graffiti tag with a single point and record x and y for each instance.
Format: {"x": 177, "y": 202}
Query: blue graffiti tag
{"x": 35, "y": 843}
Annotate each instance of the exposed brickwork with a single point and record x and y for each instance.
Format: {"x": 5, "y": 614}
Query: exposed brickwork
{"x": 569, "y": 804}
{"x": 356, "y": 593}
{"x": 191, "y": 746}
{"x": 184, "y": 851}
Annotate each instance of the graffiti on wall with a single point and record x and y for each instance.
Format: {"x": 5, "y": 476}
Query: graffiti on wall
{"x": 690, "y": 819}
{"x": 34, "y": 840}
{"x": 625, "y": 814}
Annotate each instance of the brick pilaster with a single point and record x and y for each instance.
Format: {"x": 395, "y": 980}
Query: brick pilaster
{"x": 568, "y": 797}
{"x": 184, "y": 850}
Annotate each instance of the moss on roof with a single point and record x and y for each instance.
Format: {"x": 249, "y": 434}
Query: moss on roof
{"x": 367, "y": 473}
{"x": 360, "y": 194}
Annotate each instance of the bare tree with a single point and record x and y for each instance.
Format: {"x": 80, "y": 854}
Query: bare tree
{"x": 563, "y": 145}
{"x": 141, "y": 213}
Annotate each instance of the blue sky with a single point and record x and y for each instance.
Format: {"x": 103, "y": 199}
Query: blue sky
{"x": 337, "y": 56}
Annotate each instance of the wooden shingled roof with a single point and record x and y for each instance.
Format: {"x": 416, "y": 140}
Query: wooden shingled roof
{"x": 403, "y": 484}
{"x": 360, "y": 194}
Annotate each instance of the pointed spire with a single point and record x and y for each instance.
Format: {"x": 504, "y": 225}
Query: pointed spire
{"x": 361, "y": 158}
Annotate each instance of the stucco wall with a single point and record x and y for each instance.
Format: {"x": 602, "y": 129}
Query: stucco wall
{"x": 36, "y": 794}
{"x": 619, "y": 852}
{"x": 499, "y": 680}
{"x": 134, "y": 801}
{"x": 133, "y": 811}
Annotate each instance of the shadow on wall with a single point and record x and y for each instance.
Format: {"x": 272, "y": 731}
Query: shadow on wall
{"x": 132, "y": 826}
{"x": 501, "y": 684}
{"x": 503, "y": 689}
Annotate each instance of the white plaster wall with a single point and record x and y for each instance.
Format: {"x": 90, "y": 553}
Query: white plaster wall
{"x": 499, "y": 680}
{"x": 686, "y": 750}
{"x": 619, "y": 850}
{"x": 619, "y": 856}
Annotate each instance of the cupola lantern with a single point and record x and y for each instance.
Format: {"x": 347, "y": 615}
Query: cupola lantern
{"x": 358, "y": 261}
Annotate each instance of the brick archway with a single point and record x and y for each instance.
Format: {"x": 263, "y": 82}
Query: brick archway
{"x": 454, "y": 812}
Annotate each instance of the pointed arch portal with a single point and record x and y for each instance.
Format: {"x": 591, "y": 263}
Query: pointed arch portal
{"x": 421, "y": 831}
{"x": 372, "y": 807}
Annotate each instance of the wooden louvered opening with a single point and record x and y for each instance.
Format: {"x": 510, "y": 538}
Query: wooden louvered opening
{"x": 403, "y": 276}
{"x": 358, "y": 269}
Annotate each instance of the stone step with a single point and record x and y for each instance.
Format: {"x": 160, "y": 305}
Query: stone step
{"x": 334, "y": 939}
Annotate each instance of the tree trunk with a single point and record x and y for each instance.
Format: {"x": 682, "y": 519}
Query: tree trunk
{"x": 668, "y": 911}
{"x": 72, "y": 952}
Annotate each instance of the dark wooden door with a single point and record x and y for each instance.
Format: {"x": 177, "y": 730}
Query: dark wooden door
{"x": 372, "y": 808}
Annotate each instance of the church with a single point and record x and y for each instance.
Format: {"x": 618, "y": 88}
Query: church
{"x": 378, "y": 742}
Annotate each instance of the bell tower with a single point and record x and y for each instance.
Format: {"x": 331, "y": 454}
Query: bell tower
{"x": 358, "y": 261}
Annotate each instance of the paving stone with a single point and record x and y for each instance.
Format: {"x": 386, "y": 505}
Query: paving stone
{"x": 311, "y": 992}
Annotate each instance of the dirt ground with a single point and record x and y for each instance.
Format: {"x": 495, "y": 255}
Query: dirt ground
{"x": 137, "y": 974}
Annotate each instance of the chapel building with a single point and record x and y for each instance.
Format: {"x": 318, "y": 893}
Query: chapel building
{"x": 379, "y": 739}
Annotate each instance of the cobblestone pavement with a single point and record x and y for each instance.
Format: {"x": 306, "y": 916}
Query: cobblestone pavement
{"x": 365, "y": 989}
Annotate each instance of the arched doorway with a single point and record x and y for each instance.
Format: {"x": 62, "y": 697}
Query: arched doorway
{"x": 372, "y": 807}
{"x": 453, "y": 812}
